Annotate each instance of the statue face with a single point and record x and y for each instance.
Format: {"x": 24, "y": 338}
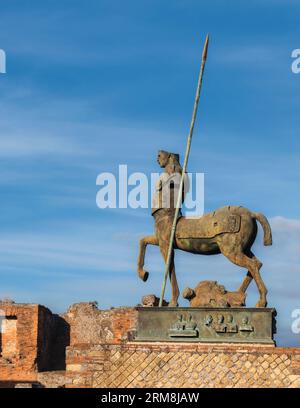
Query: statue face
{"x": 222, "y": 289}
{"x": 162, "y": 158}
{"x": 229, "y": 318}
{"x": 220, "y": 319}
{"x": 188, "y": 293}
{"x": 208, "y": 320}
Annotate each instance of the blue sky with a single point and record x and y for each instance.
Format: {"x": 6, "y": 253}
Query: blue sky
{"x": 94, "y": 84}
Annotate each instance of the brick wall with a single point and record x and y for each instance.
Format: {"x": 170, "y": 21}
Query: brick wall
{"x": 172, "y": 365}
{"x": 19, "y": 338}
{"x": 89, "y": 325}
{"x": 26, "y": 341}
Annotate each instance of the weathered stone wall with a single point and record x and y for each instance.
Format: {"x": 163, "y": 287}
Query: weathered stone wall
{"x": 89, "y": 325}
{"x": 172, "y": 365}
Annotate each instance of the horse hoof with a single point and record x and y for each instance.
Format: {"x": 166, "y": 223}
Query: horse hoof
{"x": 261, "y": 304}
{"x": 173, "y": 304}
{"x": 146, "y": 276}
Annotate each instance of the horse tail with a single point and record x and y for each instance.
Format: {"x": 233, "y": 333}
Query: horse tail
{"x": 266, "y": 227}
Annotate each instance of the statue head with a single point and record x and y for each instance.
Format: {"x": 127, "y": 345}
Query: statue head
{"x": 163, "y": 158}
{"x": 208, "y": 320}
{"x": 166, "y": 158}
{"x": 189, "y": 293}
{"x": 245, "y": 320}
{"x": 221, "y": 289}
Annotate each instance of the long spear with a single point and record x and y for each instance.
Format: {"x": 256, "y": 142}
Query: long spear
{"x": 186, "y": 157}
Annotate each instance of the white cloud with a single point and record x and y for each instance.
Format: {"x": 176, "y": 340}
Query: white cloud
{"x": 245, "y": 54}
{"x": 286, "y": 225}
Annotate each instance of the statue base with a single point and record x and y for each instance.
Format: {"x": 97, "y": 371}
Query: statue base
{"x": 206, "y": 324}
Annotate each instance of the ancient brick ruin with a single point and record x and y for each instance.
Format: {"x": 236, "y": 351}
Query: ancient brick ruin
{"x": 88, "y": 347}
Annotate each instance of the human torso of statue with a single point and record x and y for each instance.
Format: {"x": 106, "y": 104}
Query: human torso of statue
{"x": 167, "y": 187}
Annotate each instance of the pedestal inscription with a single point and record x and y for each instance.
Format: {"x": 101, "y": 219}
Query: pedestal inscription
{"x": 204, "y": 324}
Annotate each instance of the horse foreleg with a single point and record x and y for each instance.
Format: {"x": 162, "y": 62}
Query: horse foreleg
{"x": 174, "y": 285}
{"x": 149, "y": 240}
{"x": 246, "y": 283}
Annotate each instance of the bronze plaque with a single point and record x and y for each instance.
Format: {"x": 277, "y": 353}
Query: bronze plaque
{"x": 206, "y": 324}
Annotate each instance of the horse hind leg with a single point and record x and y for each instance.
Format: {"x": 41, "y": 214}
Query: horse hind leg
{"x": 249, "y": 277}
{"x": 253, "y": 265}
{"x": 260, "y": 283}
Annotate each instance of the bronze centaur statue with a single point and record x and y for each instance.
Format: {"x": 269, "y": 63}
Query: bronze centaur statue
{"x": 229, "y": 230}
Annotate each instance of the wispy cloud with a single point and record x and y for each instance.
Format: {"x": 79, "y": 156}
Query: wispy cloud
{"x": 243, "y": 55}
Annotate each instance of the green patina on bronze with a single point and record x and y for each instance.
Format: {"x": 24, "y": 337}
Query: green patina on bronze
{"x": 205, "y": 324}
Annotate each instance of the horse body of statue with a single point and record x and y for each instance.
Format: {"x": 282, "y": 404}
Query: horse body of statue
{"x": 230, "y": 230}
